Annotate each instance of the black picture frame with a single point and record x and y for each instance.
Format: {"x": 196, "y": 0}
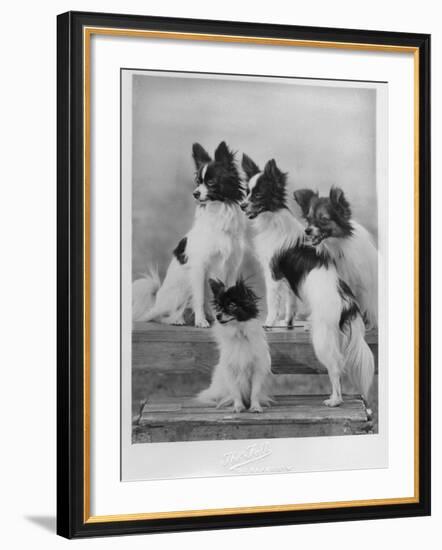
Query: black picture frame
{"x": 71, "y": 498}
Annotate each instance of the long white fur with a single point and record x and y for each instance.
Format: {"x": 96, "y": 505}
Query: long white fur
{"x": 339, "y": 352}
{"x": 143, "y": 292}
{"x": 243, "y": 373}
{"x": 215, "y": 249}
{"x": 273, "y": 232}
{"x": 356, "y": 259}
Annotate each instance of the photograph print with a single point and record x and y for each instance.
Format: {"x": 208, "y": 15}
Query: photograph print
{"x": 252, "y": 259}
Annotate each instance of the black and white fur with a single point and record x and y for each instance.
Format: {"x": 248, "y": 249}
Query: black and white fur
{"x": 337, "y": 328}
{"x": 214, "y": 247}
{"x": 242, "y": 375}
{"x": 332, "y": 229}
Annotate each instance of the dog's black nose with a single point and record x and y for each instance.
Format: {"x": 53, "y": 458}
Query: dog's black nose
{"x": 308, "y": 230}
{"x": 196, "y": 194}
{"x": 243, "y": 205}
{"x": 219, "y": 316}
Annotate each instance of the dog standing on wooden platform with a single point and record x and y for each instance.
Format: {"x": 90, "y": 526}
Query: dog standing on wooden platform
{"x": 243, "y": 373}
{"x": 337, "y": 327}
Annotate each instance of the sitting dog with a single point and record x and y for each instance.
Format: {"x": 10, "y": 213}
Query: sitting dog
{"x": 214, "y": 247}
{"x": 243, "y": 373}
{"x": 337, "y": 327}
{"x": 332, "y": 230}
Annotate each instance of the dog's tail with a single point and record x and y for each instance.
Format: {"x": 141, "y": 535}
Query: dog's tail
{"x": 144, "y": 291}
{"x": 358, "y": 358}
{"x": 217, "y": 393}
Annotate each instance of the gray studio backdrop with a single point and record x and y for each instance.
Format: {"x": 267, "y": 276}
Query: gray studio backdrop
{"x": 320, "y": 135}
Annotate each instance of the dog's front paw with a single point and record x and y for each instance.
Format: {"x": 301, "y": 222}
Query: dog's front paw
{"x": 256, "y": 408}
{"x": 177, "y": 321}
{"x": 202, "y": 322}
{"x": 333, "y": 402}
{"x": 269, "y": 322}
{"x": 238, "y": 407}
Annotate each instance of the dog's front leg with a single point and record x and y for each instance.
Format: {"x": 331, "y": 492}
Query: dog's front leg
{"x": 238, "y": 404}
{"x": 260, "y": 383}
{"x": 197, "y": 275}
{"x": 233, "y": 266}
{"x": 290, "y": 307}
{"x": 273, "y": 289}
{"x": 256, "y": 394}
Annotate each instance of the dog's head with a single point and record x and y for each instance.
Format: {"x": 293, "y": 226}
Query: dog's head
{"x": 325, "y": 216}
{"x": 216, "y": 179}
{"x": 266, "y": 190}
{"x": 236, "y": 303}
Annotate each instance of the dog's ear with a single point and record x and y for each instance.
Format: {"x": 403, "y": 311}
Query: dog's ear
{"x": 200, "y": 155}
{"x": 340, "y": 203}
{"x": 249, "y": 167}
{"x": 217, "y": 286}
{"x": 304, "y": 197}
{"x": 223, "y": 154}
{"x": 245, "y": 291}
{"x": 272, "y": 171}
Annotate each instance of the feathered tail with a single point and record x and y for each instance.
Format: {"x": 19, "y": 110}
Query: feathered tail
{"x": 358, "y": 357}
{"x": 219, "y": 393}
{"x": 144, "y": 291}
{"x": 216, "y": 395}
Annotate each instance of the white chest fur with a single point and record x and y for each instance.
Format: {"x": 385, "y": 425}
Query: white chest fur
{"x": 242, "y": 345}
{"x": 273, "y": 231}
{"x": 219, "y": 229}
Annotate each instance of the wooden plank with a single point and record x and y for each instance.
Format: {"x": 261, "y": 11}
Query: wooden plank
{"x": 157, "y": 332}
{"x": 183, "y": 419}
{"x": 161, "y": 348}
{"x": 303, "y": 408}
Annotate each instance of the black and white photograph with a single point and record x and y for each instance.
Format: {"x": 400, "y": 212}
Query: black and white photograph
{"x": 254, "y": 234}
{"x": 243, "y": 274}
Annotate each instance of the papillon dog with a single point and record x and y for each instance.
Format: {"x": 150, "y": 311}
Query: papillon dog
{"x": 332, "y": 230}
{"x": 243, "y": 373}
{"x": 214, "y": 247}
{"x": 337, "y": 327}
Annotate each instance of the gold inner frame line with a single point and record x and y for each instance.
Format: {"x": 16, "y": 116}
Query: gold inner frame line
{"x": 87, "y": 33}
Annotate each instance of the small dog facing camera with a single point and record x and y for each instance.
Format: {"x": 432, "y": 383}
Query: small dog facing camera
{"x": 242, "y": 376}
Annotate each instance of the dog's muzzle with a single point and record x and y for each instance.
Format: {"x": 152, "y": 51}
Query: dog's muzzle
{"x": 248, "y": 210}
{"x": 222, "y": 320}
{"x": 315, "y": 235}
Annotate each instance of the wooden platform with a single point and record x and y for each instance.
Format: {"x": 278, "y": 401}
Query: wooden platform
{"x": 170, "y": 365}
{"x": 162, "y": 348}
{"x": 182, "y": 419}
